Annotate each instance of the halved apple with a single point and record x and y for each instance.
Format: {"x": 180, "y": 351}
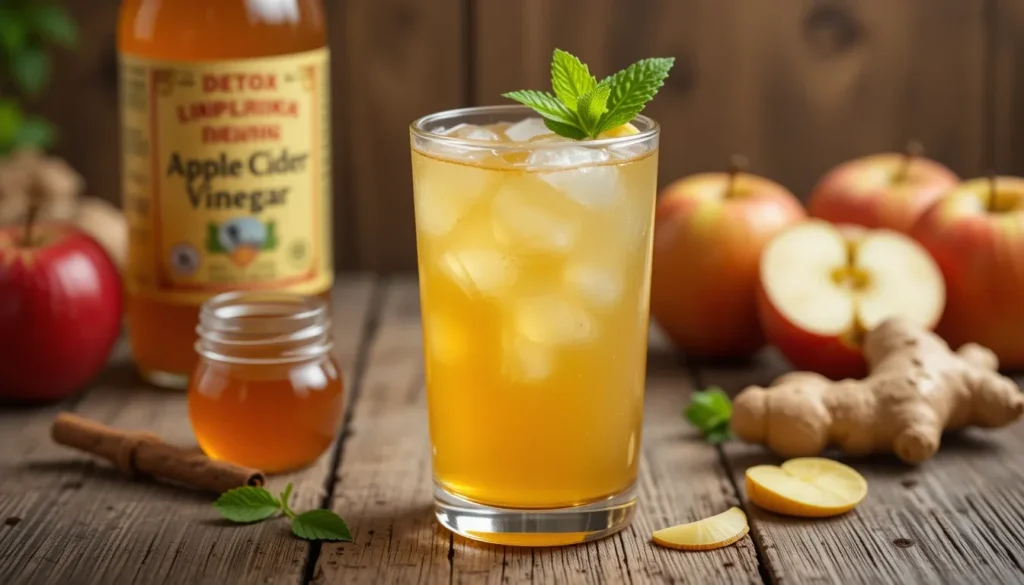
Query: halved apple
{"x": 822, "y": 286}
{"x": 707, "y": 534}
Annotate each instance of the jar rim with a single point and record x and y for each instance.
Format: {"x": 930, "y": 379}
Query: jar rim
{"x": 233, "y": 324}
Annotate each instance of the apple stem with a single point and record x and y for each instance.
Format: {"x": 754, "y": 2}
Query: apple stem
{"x": 913, "y": 149}
{"x": 737, "y": 164}
{"x": 34, "y": 205}
{"x": 992, "y": 192}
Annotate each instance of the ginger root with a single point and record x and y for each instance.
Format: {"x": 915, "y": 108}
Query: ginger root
{"x": 917, "y": 388}
{"x": 28, "y": 174}
{"x": 808, "y": 487}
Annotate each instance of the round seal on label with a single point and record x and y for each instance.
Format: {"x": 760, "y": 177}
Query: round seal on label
{"x": 184, "y": 259}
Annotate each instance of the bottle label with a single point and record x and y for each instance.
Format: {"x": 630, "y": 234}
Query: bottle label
{"x": 226, "y": 175}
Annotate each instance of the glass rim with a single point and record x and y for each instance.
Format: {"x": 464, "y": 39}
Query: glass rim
{"x": 418, "y": 128}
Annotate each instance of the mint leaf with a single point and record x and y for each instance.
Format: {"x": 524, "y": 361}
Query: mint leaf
{"x": 247, "y": 504}
{"x": 320, "y": 525}
{"x": 591, "y": 106}
{"x": 632, "y": 88}
{"x": 718, "y": 436}
{"x": 583, "y": 108}
{"x": 710, "y": 411}
{"x": 566, "y": 130}
{"x": 544, "y": 104}
{"x": 570, "y": 78}
{"x": 285, "y": 496}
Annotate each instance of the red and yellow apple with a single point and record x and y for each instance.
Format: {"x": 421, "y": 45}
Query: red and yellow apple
{"x": 822, "y": 286}
{"x": 978, "y": 242}
{"x": 60, "y": 311}
{"x": 888, "y": 190}
{"x": 709, "y": 231}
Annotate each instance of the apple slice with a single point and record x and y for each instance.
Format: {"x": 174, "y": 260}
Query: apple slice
{"x": 822, "y": 286}
{"x": 809, "y": 487}
{"x": 707, "y": 534}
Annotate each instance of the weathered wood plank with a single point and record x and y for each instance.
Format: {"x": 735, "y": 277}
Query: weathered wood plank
{"x": 82, "y": 522}
{"x": 405, "y": 60}
{"x": 955, "y": 519}
{"x": 384, "y": 488}
{"x": 797, "y": 86}
{"x": 384, "y": 485}
{"x": 1006, "y": 69}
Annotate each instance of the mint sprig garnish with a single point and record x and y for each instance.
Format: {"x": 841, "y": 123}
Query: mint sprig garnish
{"x": 710, "y": 411}
{"x": 582, "y": 107}
{"x": 249, "y": 504}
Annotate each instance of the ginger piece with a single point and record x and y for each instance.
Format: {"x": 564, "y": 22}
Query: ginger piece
{"x": 29, "y": 174}
{"x": 917, "y": 388}
{"x": 808, "y": 487}
{"x": 707, "y": 534}
{"x": 106, "y": 224}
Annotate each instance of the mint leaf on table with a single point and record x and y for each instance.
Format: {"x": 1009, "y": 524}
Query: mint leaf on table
{"x": 320, "y": 525}
{"x": 582, "y": 107}
{"x": 710, "y": 411}
{"x": 247, "y": 504}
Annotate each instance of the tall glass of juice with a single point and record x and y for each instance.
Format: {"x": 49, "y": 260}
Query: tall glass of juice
{"x": 534, "y": 257}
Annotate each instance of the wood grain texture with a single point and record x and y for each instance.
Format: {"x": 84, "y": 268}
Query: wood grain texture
{"x": 1006, "y": 21}
{"x": 80, "y": 521}
{"x": 406, "y": 59}
{"x": 797, "y": 86}
{"x": 384, "y": 488}
{"x": 954, "y": 519}
{"x": 82, "y": 99}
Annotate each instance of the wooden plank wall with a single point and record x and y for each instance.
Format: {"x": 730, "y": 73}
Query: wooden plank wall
{"x": 796, "y": 85}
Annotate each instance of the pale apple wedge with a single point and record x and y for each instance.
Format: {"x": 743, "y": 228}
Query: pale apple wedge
{"x": 808, "y": 487}
{"x": 707, "y": 534}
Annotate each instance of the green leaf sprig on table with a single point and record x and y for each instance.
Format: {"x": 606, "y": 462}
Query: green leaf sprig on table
{"x": 583, "y": 107}
{"x": 249, "y": 504}
{"x": 710, "y": 411}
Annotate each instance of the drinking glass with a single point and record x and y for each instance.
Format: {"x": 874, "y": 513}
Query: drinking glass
{"x": 534, "y": 256}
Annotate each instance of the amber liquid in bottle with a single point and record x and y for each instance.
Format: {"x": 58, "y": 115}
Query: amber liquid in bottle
{"x": 162, "y": 332}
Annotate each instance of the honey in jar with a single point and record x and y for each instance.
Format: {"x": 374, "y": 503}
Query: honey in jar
{"x": 266, "y": 392}
{"x": 225, "y": 162}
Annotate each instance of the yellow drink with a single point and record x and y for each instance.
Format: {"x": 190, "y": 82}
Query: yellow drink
{"x": 534, "y": 263}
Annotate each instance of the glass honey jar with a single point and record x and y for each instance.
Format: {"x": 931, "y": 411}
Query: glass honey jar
{"x": 267, "y": 391}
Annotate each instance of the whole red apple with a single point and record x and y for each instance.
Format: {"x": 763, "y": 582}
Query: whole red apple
{"x": 60, "y": 311}
{"x": 978, "y": 242}
{"x": 709, "y": 232}
{"x": 889, "y": 190}
{"x": 822, "y": 286}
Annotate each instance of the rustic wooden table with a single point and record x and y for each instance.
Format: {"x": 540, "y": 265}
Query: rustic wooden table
{"x": 66, "y": 519}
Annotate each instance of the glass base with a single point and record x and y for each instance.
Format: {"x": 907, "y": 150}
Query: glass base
{"x": 167, "y": 380}
{"x": 554, "y": 527}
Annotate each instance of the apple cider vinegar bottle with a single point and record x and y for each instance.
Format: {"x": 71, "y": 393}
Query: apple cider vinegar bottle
{"x": 225, "y": 138}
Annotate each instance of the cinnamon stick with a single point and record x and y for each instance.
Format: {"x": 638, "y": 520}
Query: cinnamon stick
{"x": 143, "y": 453}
